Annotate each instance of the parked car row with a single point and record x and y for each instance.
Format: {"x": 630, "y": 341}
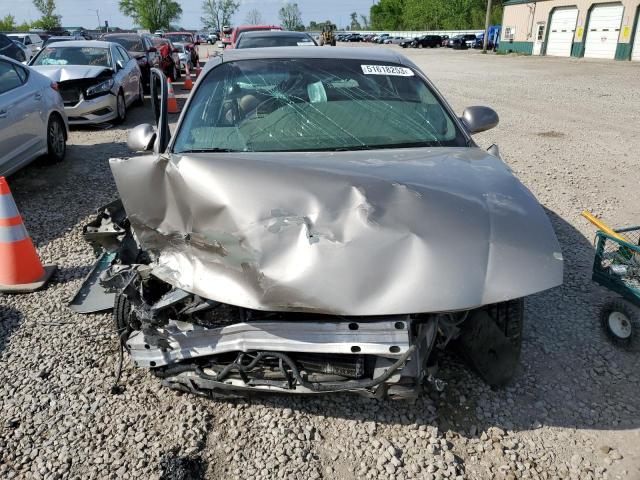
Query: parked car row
{"x": 458, "y": 42}
{"x": 76, "y": 82}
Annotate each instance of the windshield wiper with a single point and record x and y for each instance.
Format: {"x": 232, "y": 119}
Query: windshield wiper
{"x": 208, "y": 150}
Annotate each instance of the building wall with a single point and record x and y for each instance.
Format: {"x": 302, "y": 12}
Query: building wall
{"x": 523, "y": 19}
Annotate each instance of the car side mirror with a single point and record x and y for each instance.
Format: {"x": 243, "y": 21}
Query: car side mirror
{"x": 478, "y": 119}
{"x": 120, "y": 65}
{"x": 141, "y": 138}
{"x": 152, "y": 50}
{"x": 159, "y": 96}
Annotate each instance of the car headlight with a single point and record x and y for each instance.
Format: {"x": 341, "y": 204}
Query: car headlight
{"x": 100, "y": 89}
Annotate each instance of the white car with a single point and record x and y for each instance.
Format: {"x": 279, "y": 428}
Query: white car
{"x": 32, "y": 41}
{"x": 32, "y": 117}
{"x": 98, "y": 81}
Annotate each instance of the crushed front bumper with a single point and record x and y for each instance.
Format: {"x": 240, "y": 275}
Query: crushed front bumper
{"x": 178, "y": 341}
{"x": 214, "y": 349}
{"x": 92, "y": 111}
{"x": 374, "y": 358}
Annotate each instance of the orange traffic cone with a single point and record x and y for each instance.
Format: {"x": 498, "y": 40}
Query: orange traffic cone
{"x": 20, "y": 267}
{"x": 172, "y": 103}
{"x": 188, "y": 84}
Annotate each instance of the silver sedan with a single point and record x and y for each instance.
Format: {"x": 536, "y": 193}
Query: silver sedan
{"x": 98, "y": 81}
{"x": 32, "y": 117}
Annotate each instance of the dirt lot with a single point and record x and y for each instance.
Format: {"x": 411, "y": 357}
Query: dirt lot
{"x": 569, "y": 129}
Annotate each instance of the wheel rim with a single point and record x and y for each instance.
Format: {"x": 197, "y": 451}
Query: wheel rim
{"x": 56, "y": 138}
{"x": 619, "y": 324}
{"x": 121, "y": 107}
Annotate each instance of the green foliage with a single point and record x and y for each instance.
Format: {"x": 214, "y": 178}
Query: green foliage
{"x": 151, "y": 14}
{"x": 355, "y": 24}
{"x": 49, "y": 20}
{"x": 432, "y": 14}
{"x": 254, "y": 17}
{"x": 218, "y": 13}
{"x": 291, "y": 17}
{"x": 8, "y": 23}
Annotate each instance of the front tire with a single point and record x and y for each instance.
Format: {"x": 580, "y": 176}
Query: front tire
{"x": 140, "y": 99}
{"x": 491, "y": 341}
{"x": 123, "y": 315}
{"x": 56, "y": 139}
{"x": 121, "y": 108}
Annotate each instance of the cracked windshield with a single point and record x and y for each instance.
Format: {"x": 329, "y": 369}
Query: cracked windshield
{"x": 314, "y": 105}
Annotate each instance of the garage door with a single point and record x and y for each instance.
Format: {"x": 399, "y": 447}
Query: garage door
{"x": 561, "y": 31}
{"x": 635, "y": 53}
{"x": 603, "y": 31}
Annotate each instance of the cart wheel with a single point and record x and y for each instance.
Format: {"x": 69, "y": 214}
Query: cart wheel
{"x": 621, "y": 321}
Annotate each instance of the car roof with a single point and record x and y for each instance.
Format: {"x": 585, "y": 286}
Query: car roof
{"x": 364, "y": 54}
{"x": 83, "y": 43}
{"x": 128, "y": 34}
{"x": 177, "y": 33}
{"x": 273, "y": 33}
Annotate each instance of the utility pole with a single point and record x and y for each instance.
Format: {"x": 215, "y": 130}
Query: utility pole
{"x": 486, "y": 27}
{"x": 97, "y": 14}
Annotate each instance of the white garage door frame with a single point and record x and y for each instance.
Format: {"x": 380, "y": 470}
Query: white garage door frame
{"x": 561, "y": 31}
{"x": 635, "y": 38}
{"x": 602, "y": 31}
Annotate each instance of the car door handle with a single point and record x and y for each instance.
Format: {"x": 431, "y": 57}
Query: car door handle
{"x": 38, "y": 96}
{"x": 3, "y": 114}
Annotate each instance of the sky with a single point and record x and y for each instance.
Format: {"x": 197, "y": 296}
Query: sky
{"x": 83, "y": 12}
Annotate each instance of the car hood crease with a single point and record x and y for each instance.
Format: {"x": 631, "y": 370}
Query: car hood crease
{"x": 345, "y": 233}
{"x": 63, "y": 73}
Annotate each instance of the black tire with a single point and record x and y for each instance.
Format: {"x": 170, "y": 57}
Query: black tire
{"x": 121, "y": 109}
{"x": 491, "y": 341}
{"x": 56, "y": 139}
{"x": 122, "y": 314}
{"x": 140, "y": 99}
{"x": 620, "y": 320}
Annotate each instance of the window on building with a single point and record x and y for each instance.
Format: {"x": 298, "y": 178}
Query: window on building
{"x": 509, "y": 33}
{"x": 540, "y": 35}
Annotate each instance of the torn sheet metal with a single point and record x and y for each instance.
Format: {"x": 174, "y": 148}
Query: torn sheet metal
{"x": 347, "y": 233}
{"x": 92, "y": 298}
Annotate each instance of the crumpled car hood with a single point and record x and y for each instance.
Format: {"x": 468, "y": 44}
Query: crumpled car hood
{"x": 346, "y": 233}
{"x": 62, "y": 73}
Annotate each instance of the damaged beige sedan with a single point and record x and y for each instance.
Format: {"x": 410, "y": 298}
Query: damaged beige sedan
{"x": 320, "y": 221}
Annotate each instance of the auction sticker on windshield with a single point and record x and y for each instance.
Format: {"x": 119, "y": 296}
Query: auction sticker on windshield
{"x": 387, "y": 70}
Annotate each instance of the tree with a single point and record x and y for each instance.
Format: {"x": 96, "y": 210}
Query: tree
{"x": 254, "y": 17}
{"x": 8, "y": 23}
{"x": 152, "y": 14}
{"x": 49, "y": 19}
{"x": 365, "y": 22}
{"x": 432, "y": 14}
{"x": 355, "y": 24}
{"x": 218, "y": 13}
{"x": 290, "y": 17}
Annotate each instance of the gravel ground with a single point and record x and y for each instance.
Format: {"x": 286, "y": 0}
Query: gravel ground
{"x": 570, "y": 131}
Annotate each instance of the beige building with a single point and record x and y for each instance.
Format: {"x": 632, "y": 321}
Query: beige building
{"x": 577, "y": 28}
